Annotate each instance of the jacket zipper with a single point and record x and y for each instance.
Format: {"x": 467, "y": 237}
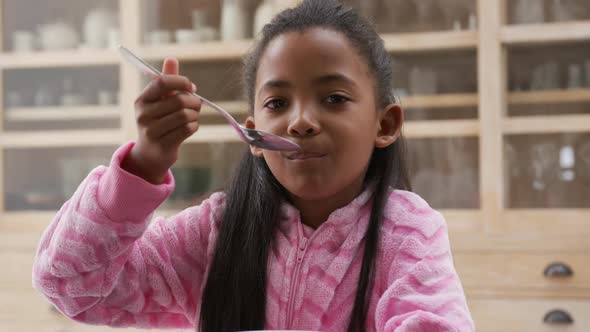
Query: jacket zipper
{"x": 294, "y": 280}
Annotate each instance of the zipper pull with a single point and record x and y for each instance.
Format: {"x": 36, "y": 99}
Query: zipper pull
{"x": 301, "y": 250}
{"x": 303, "y": 244}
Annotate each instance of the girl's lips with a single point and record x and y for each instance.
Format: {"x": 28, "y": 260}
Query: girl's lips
{"x": 301, "y": 155}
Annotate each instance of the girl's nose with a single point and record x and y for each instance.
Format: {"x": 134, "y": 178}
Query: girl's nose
{"x": 303, "y": 123}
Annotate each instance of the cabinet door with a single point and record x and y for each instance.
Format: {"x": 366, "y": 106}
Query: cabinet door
{"x": 543, "y": 11}
{"x": 61, "y": 98}
{"x": 441, "y": 126}
{"x": 202, "y": 168}
{"x": 43, "y": 178}
{"x": 548, "y": 170}
{"x": 546, "y": 80}
{"x": 186, "y": 22}
{"x": 429, "y": 87}
{"x": 59, "y": 70}
{"x": 547, "y": 131}
{"x": 31, "y": 26}
{"x": 398, "y": 16}
{"x": 445, "y": 171}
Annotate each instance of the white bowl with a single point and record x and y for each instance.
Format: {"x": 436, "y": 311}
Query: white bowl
{"x": 187, "y": 36}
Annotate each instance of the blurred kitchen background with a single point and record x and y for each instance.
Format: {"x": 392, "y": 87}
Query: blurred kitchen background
{"x": 497, "y": 102}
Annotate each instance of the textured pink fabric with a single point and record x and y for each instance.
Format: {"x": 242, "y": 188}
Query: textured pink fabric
{"x": 100, "y": 261}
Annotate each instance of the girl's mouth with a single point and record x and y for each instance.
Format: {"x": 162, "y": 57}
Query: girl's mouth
{"x": 302, "y": 155}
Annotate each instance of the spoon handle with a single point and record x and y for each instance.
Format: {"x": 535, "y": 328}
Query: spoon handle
{"x": 153, "y": 72}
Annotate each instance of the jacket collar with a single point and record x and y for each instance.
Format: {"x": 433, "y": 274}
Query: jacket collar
{"x": 343, "y": 217}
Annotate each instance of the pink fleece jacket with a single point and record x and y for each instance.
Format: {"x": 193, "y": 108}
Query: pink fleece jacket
{"x": 101, "y": 262}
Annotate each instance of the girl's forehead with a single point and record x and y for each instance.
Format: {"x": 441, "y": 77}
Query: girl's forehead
{"x": 312, "y": 50}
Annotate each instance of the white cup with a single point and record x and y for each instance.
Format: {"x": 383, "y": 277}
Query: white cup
{"x": 199, "y": 18}
{"x": 159, "y": 37}
{"x": 23, "y": 41}
{"x": 106, "y": 98}
{"x": 186, "y": 36}
{"x": 208, "y": 34}
{"x": 113, "y": 38}
{"x": 73, "y": 100}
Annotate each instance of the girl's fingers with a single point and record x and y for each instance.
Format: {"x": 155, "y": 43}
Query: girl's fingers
{"x": 164, "y": 86}
{"x": 168, "y": 105}
{"x": 170, "y": 122}
{"x": 179, "y": 134}
{"x": 170, "y": 66}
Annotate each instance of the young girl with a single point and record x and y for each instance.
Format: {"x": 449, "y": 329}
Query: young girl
{"x": 323, "y": 239}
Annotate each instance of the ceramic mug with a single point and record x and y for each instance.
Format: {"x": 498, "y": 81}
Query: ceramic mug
{"x": 199, "y": 18}
{"x": 186, "y": 36}
{"x": 96, "y": 27}
{"x": 113, "y": 38}
{"x": 23, "y": 41}
{"x": 106, "y": 97}
{"x": 159, "y": 37}
{"x": 58, "y": 36}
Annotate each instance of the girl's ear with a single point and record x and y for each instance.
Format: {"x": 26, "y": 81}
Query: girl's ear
{"x": 256, "y": 151}
{"x": 391, "y": 119}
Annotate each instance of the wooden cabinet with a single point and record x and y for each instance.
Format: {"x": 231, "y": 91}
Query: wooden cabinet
{"x": 497, "y": 104}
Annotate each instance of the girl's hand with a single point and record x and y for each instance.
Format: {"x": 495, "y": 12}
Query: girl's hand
{"x": 165, "y": 118}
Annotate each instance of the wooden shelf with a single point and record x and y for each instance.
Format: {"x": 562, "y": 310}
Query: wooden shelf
{"x": 546, "y": 124}
{"x": 549, "y": 97}
{"x": 64, "y": 138}
{"x": 452, "y": 100}
{"x": 441, "y": 128}
{"x": 545, "y": 33}
{"x": 66, "y": 113}
{"x": 237, "y": 107}
{"x": 430, "y": 41}
{"x": 207, "y": 51}
{"x": 214, "y": 133}
{"x": 220, "y": 50}
{"x": 543, "y": 221}
{"x": 25, "y": 220}
{"x": 69, "y": 58}
{"x": 93, "y": 112}
{"x": 234, "y": 50}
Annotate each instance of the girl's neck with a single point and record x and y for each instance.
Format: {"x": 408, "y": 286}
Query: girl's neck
{"x": 315, "y": 212}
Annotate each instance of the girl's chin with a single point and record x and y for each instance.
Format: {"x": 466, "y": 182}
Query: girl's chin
{"x": 309, "y": 192}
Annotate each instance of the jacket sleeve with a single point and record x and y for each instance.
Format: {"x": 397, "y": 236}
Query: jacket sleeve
{"x": 100, "y": 261}
{"x": 423, "y": 292}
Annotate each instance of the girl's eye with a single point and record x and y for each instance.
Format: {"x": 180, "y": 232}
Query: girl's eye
{"x": 336, "y": 99}
{"x": 275, "y": 104}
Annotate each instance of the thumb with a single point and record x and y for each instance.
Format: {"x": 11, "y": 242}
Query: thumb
{"x": 170, "y": 66}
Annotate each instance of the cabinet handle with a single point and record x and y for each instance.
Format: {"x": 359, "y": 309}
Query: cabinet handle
{"x": 558, "y": 317}
{"x": 559, "y": 270}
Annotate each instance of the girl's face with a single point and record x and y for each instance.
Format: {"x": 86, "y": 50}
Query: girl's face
{"x": 315, "y": 89}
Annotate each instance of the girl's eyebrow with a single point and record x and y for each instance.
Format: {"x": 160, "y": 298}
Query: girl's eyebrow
{"x": 324, "y": 79}
{"x": 276, "y": 84}
{"x": 270, "y": 84}
{"x": 335, "y": 77}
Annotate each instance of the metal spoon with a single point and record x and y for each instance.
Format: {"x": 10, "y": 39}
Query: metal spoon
{"x": 254, "y": 137}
